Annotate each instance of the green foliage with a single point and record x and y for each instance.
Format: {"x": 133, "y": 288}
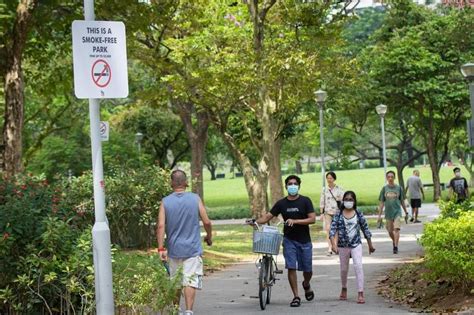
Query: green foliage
{"x": 46, "y": 244}
{"x": 141, "y": 284}
{"x": 229, "y": 213}
{"x": 451, "y": 209}
{"x": 46, "y": 259}
{"x": 162, "y": 132}
{"x": 58, "y": 156}
{"x": 132, "y": 202}
{"x": 449, "y": 247}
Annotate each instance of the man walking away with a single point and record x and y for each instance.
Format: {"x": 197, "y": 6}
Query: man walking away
{"x": 415, "y": 188}
{"x": 179, "y": 217}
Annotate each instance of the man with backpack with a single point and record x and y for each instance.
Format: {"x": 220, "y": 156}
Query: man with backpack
{"x": 391, "y": 198}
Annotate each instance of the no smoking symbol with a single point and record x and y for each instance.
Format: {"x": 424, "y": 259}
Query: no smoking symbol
{"x": 102, "y": 128}
{"x": 101, "y": 73}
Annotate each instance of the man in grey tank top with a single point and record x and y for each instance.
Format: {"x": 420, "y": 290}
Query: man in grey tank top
{"x": 178, "y": 217}
{"x": 415, "y": 188}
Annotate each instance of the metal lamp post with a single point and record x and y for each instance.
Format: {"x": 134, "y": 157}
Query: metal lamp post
{"x": 320, "y": 99}
{"x": 467, "y": 71}
{"x": 381, "y": 111}
{"x": 138, "y": 140}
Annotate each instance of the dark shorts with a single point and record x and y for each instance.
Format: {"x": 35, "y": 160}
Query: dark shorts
{"x": 298, "y": 255}
{"x": 415, "y": 203}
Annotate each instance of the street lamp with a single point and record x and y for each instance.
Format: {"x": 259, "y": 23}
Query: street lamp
{"x": 138, "y": 140}
{"x": 467, "y": 71}
{"x": 320, "y": 99}
{"x": 381, "y": 111}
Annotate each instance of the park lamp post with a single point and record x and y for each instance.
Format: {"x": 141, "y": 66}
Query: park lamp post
{"x": 467, "y": 71}
{"x": 381, "y": 111}
{"x": 320, "y": 99}
{"x": 138, "y": 141}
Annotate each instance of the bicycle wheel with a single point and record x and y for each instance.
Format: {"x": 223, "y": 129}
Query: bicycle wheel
{"x": 263, "y": 283}
{"x": 271, "y": 277}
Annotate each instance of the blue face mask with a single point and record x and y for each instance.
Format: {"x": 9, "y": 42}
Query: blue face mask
{"x": 292, "y": 190}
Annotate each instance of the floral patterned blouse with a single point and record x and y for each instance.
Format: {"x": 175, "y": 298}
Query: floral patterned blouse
{"x": 327, "y": 201}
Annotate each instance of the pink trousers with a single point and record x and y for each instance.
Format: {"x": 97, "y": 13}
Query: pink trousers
{"x": 345, "y": 254}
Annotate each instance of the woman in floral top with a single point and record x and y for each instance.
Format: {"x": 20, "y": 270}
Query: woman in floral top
{"x": 346, "y": 241}
{"x": 330, "y": 197}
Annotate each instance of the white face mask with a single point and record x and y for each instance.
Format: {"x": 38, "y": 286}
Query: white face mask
{"x": 457, "y": 174}
{"x": 348, "y": 204}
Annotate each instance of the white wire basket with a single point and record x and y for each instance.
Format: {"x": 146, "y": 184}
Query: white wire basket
{"x": 266, "y": 242}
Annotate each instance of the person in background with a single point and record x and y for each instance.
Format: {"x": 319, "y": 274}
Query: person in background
{"x": 458, "y": 187}
{"x": 331, "y": 198}
{"x": 391, "y": 198}
{"x": 179, "y": 216}
{"x": 415, "y": 188}
{"x": 346, "y": 241}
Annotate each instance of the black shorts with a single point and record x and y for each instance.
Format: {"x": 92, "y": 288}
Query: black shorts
{"x": 415, "y": 203}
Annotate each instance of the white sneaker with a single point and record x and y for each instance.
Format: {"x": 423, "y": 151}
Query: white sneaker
{"x": 188, "y": 313}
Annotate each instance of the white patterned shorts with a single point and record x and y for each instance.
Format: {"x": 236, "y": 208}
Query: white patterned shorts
{"x": 192, "y": 270}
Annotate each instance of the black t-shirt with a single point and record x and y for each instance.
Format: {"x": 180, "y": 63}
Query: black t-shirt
{"x": 459, "y": 186}
{"x": 294, "y": 209}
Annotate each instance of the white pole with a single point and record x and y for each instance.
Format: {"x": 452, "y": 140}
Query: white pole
{"x": 321, "y": 137}
{"x": 100, "y": 232}
{"x": 471, "y": 94}
{"x": 383, "y": 149}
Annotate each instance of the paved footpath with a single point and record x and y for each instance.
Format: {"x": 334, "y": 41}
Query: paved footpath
{"x": 234, "y": 290}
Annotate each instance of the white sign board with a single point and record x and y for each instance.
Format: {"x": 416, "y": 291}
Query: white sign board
{"x": 100, "y": 59}
{"x": 104, "y": 130}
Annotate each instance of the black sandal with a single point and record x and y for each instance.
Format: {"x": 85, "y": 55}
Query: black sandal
{"x": 296, "y": 302}
{"x": 308, "y": 293}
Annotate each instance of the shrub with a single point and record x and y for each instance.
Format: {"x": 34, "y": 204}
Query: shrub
{"x": 46, "y": 245}
{"x": 451, "y": 209}
{"x": 229, "y": 213}
{"x": 449, "y": 247}
{"x": 46, "y": 261}
{"x": 141, "y": 284}
{"x": 132, "y": 202}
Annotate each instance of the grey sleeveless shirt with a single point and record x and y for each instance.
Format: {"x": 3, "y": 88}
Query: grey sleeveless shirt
{"x": 182, "y": 225}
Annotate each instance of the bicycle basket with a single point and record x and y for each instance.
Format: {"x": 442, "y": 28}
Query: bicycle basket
{"x": 266, "y": 242}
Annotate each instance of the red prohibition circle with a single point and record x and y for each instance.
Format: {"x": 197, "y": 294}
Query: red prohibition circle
{"x": 101, "y": 72}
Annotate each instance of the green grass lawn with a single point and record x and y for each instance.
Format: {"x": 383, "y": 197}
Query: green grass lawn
{"x": 231, "y": 195}
{"x": 233, "y": 243}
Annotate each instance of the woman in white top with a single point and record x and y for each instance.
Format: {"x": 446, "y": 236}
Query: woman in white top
{"x": 331, "y": 196}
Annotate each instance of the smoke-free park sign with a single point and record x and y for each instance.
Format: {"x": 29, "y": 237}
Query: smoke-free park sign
{"x": 100, "y": 59}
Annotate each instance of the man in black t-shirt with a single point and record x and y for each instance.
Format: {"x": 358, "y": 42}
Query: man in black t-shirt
{"x": 458, "y": 186}
{"x": 298, "y": 213}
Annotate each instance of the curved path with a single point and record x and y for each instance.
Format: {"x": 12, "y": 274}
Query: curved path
{"x": 234, "y": 290}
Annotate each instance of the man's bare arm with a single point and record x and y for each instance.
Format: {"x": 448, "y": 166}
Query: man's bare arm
{"x": 205, "y": 222}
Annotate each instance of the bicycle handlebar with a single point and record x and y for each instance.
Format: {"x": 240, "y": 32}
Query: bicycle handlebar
{"x": 254, "y": 223}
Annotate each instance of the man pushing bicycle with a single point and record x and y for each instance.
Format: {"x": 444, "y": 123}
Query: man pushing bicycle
{"x": 298, "y": 213}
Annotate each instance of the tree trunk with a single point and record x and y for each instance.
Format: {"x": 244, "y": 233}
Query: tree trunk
{"x": 270, "y": 164}
{"x": 410, "y": 154}
{"x": 197, "y": 137}
{"x": 271, "y": 148}
{"x": 212, "y": 169}
{"x": 197, "y": 161}
{"x": 257, "y": 192}
{"x": 432, "y": 159}
{"x": 298, "y": 167}
{"x": 14, "y": 90}
{"x": 256, "y": 181}
{"x": 401, "y": 181}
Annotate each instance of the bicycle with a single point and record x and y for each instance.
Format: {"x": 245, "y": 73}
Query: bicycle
{"x": 266, "y": 241}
